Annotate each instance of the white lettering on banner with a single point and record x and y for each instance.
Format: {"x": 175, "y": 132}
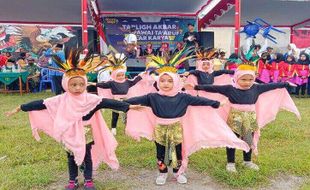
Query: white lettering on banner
{"x": 146, "y": 32}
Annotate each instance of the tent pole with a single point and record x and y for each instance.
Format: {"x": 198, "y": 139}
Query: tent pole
{"x": 84, "y": 25}
{"x": 237, "y": 25}
{"x": 292, "y": 33}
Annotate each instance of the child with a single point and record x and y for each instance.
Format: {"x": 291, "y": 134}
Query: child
{"x": 252, "y": 107}
{"x": 73, "y": 120}
{"x": 264, "y": 69}
{"x": 204, "y": 71}
{"x": 277, "y": 68}
{"x": 289, "y": 68}
{"x": 117, "y": 88}
{"x": 174, "y": 124}
{"x": 302, "y": 69}
{"x": 232, "y": 62}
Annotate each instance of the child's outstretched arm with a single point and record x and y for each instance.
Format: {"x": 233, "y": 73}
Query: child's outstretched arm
{"x": 136, "y": 79}
{"x": 104, "y": 84}
{"x": 221, "y": 72}
{"x": 201, "y": 101}
{"x": 222, "y": 89}
{"x": 139, "y": 100}
{"x": 112, "y": 104}
{"x": 31, "y": 106}
{"x": 272, "y": 86}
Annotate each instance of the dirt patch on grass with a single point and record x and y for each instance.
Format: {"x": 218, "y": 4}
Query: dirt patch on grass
{"x": 142, "y": 179}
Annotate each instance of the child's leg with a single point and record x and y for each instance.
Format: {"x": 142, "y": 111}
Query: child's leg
{"x": 178, "y": 149}
{"x": 73, "y": 168}
{"x": 181, "y": 178}
{"x": 114, "y": 119}
{"x": 160, "y": 154}
{"x": 297, "y": 89}
{"x": 308, "y": 88}
{"x": 303, "y": 89}
{"x": 247, "y": 156}
{"x": 88, "y": 171}
{"x": 230, "y": 153}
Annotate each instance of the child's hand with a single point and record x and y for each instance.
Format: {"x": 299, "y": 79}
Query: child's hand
{"x": 136, "y": 107}
{"x": 223, "y": 103}
{"x": 10, "y": 113}
{"x": 292, "y": 84}
{"x": 185, "y": 73}
{"x": 189, "y": 86}
{"x": 142, "y": 74}
{"x": 91, "y": 84}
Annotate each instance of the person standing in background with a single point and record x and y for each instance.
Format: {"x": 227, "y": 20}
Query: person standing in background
{"x": 191, "y": 38}
{"x": 56, "y": 75}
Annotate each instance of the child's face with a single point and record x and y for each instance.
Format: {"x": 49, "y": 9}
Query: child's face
{"x": 166, "y": 83}
{"x": 76, "y": 86}
{"x": 303, "y": 57}
{"x": 120, "y": 76}
{"x": 246, "y": 81}
{"x": 206, "y": 65}
{"x": 289, "y": 59}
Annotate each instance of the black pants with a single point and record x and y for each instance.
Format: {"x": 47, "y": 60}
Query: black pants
{"x": 160, "y": 154}
{"x": 115, "y": 116}
{"x": 57, "y": 84}
{"x": 308, "y": 87}
{"x": 87, "y": 164}
{"x": 230, "y": 152}
{"x": 303, "y": 89}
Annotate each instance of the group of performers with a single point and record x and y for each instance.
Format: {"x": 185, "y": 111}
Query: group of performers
{"x": 182, "y": 114}
{"x": 284, "y": 69}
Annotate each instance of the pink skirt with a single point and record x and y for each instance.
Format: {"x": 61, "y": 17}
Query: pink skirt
{"x": 265, "y": 76}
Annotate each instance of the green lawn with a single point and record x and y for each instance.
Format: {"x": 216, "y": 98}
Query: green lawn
{"x": 284, "y": 148}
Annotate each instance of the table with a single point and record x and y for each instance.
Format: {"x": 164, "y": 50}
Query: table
{"x": 8, "y": 77}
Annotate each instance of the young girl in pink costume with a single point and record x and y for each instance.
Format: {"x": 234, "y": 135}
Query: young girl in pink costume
{"x": 252, "y": 106}
{"x": 173, "y": 120}
{"x": 73, "y": 120}
{"x": 120, "y": 88}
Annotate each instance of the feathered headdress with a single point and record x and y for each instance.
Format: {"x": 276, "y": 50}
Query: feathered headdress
{"x": 115, "y": 61}
{"x": 165, "y": 64}
{"x": 73, "y": 65}
{"x": 206, "y": 53}
{"x": 246, "y": 64}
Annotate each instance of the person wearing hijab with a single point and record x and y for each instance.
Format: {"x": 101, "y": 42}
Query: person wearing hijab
{"x": 277, "y": 68}
{"x": 302, "y": 72}
{"x": 118, "y": 87}
{"x": 204, "y": 71}
{"x": 251, "y": 107}
{"x": 73, "y": 120}
{"x": 172, "y": 119}
{"x": 293, "y": 50}
{"x": 264, "y": 68}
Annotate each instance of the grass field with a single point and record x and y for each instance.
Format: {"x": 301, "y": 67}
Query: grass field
{"x": 28, "y": 164}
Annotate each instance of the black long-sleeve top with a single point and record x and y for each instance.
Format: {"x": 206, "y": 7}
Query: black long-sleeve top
{"x": 171, "y": 107}
{"x": 238, "y": 96}
{"x": 105, "y": 103}
{"x": 208, "y": 78}
{"x": 191, "y": 43}
{"x": 119, "y": 88}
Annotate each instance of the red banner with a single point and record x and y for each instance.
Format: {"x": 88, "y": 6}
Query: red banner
{"x": 301, "y": 38}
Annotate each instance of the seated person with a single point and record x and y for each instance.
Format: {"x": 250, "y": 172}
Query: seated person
{"x": 34, "y": 74}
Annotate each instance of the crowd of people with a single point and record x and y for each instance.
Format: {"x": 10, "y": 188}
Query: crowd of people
{"x": 11, "y": 62}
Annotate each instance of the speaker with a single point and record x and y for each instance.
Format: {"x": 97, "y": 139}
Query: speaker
{"x": 206, "y": 39}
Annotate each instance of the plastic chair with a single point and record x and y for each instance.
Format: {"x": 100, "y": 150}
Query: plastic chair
{"x": 46, "y": 78}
